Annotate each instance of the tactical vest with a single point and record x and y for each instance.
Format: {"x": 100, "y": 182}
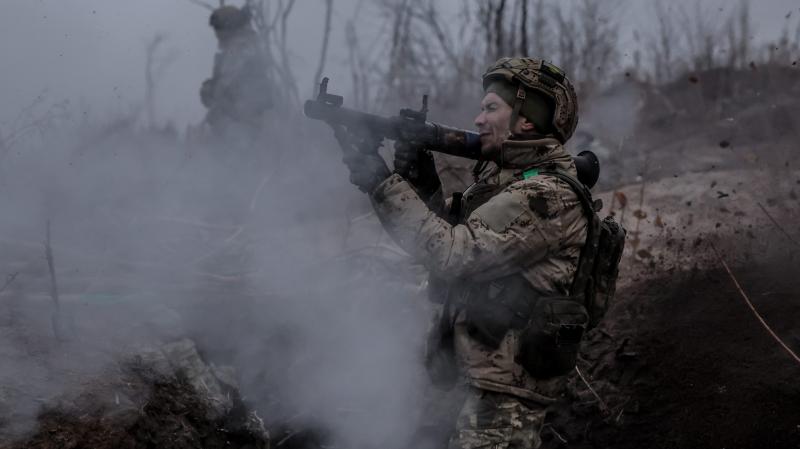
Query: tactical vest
{"x": 551, "y": 326}
{"x": 493, "y": 308}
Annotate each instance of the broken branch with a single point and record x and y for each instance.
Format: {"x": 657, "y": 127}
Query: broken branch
{"x": 203, "y": 4}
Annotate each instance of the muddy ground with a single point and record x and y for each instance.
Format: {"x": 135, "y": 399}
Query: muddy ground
{"x": 681, "y": 362}
{"x": 711, "y": 375}
{"x": 686, "y": 364}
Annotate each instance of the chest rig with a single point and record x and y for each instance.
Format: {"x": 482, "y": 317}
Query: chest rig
{"x": 492, "y": 308}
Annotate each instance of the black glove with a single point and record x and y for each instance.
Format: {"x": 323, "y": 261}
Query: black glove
{"x": 367, "y": 171}
{"x": 367, "y": 167}
{"x": 416, "y": 164}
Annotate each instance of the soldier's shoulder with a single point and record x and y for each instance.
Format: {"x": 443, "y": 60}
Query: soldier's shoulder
{"x": 545, "y": 194}
{"x": 538, "y": 183}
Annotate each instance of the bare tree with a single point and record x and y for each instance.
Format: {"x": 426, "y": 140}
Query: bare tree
{"x": 739, "y": 45}
{"x": 566, "y": 51}
{"x": 443, "y": 53}
{"x": 786, "y": 50}
{"x": 663, "y": 44}
{"x": 499, "y": 14}
{"x": 702, "y": 37}
{"x": 598, "y": 45}
{"x": 429, "y": 53}
{"x": 155, "y": 66}
{"x": 325, "y": 38}
{"x": 271, "y": 25}
{"x": 540, "y": 25}
{"x": 359, "y": 79}
{"x": 33, "y": 121}
{"x": 523, "y": 27}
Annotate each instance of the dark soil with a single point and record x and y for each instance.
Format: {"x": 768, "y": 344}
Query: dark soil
{"x": 171, "y": 416}
{"x": 697, "y": 370}
{"x": 682, "y": 362}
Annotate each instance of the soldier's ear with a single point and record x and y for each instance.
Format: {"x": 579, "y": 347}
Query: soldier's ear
{"x": 525, "y": 125}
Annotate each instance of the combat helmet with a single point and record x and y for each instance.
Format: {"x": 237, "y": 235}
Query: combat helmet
{"x": 543, "y": 79}
{"x": 229, "y": 18}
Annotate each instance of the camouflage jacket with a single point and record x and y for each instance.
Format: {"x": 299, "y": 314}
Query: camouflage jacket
{"x": 516, "y": 224}
{"x": 240, "y": 88}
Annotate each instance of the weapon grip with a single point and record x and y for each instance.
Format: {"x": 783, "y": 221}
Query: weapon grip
{"x": 413, "y": 171}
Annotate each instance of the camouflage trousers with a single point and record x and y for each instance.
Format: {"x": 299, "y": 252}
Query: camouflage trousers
{"x": 490, "y": 420}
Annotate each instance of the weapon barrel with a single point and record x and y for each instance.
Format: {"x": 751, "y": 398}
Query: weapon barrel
{"x": 434, "y": 136}
{"x": 456, "y": 142}
{"x": 337, "y": 115}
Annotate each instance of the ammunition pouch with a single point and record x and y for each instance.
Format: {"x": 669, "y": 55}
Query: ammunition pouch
{"x": 496, "y": 307}
{"x": 440, "y": 357}
{"x": 550, "y": 328}
{"x": 549, "y": 344}
{"x": 440, "y": 360}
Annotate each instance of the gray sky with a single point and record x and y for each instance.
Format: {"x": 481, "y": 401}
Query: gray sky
{"x": 92, "y": 52}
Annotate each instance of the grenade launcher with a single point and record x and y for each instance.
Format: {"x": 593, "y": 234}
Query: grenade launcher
{"x": 412, "y": 126}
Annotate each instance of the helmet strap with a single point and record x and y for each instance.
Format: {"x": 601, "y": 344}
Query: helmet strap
{"x": 478, "y": 168}
{"x": 518, "y": 101}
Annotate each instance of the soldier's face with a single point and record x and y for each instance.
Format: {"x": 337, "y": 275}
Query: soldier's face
{"x": 492, "y": 123}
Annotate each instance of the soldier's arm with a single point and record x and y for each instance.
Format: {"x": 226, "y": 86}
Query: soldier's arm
{"x": 498, "y": 238}
{"x": 438, "y": 204}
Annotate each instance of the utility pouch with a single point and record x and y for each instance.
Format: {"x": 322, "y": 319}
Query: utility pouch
{"x": 549, "y": 345}
{"x": 440, "y": 359}
{"x": 611, "y": 243}
{"x": 496, "y": 307}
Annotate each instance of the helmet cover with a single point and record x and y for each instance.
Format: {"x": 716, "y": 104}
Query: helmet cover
{"x": 544, "y": 78}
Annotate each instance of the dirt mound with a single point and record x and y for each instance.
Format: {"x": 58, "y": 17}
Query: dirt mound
{"x": 166, "y": 397}
{"x": 685, "y": 363}
{"x": 715, "y": 119}
{"x": 172, "y": 416}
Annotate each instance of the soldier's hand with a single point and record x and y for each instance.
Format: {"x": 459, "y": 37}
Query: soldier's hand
{"x": 367, "y": 171}
{"x": 416, "y": 164}
{"x": 367, "y": 167}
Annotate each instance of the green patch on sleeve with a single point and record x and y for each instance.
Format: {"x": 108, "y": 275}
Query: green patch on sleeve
{"x": 530, "y": 173}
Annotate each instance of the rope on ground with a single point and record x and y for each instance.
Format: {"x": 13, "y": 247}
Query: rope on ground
{"x": 603, "y": 407}
{"x": 552, "y": 429}
{"x": 777, "y": 225}
{"x": 750, "y": 304}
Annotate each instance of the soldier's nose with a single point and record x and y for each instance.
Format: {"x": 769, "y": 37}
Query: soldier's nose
{"x": 479, "y": 120}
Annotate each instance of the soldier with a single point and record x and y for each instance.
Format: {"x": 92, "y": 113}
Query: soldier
{"x": 239, "y": 91}
{"x": 502, "y": 258}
